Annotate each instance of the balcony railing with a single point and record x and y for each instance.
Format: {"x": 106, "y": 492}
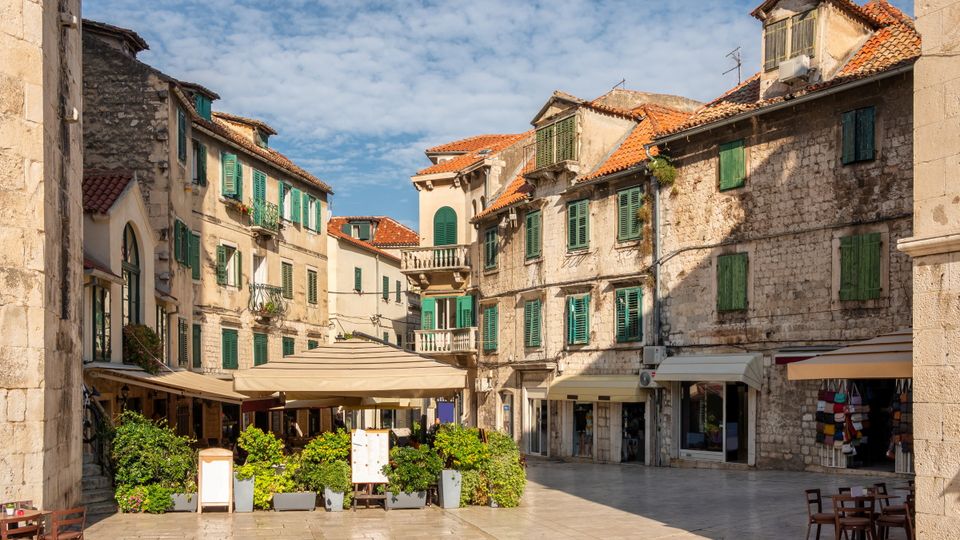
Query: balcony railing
{"x": 265, "y": 216}
{"x": 267, "y": 300}
{"x": 447, "y": 341}
{"x": 436, "y": 258}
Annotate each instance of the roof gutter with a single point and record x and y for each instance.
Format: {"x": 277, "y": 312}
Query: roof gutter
{"x": 782, "y": 105}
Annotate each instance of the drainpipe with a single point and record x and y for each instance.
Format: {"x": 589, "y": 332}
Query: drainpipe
{"x": 656, "y": 459}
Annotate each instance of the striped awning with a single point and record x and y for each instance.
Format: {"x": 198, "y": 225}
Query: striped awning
{"x": 180, "y": 381}
{"x": 889, "y": 356}
{"x": 745, "y": 368}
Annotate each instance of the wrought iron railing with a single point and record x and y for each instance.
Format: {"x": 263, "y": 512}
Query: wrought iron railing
{"x": 435, "y": 258}
{"x": 265, "y": 215}
{"x": 267, "y": 300}
{"x": 452, "y": 340}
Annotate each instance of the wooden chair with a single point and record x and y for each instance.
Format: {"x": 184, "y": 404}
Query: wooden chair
{"x": 67, "y": 524}
{"x": 854, "y": 514}
{"x": 885, "y": 506}
{"x": 897, "y": 521}
{"x": 815, "y": 514}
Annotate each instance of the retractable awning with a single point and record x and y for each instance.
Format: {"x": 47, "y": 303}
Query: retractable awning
{"x": 745, "y": 368}
{"x": 180, "y": 382}
{"x": 352, "y": 368}
{"x": 618, "y": 388}
{"x": 889, "y": 356}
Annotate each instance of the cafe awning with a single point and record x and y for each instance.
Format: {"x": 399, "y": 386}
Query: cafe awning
{"x": 179, "y": 382}
{"x": 621, "y": 388}
{"x": 889, "y": 356}
{"x": 745, "y": 368}
{"x": 352, "y": 368}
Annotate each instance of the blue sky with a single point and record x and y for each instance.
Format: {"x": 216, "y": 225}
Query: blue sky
{"x": 357, "y": 90}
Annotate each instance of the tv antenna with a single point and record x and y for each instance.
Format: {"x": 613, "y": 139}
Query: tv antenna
{"x": 735, "y": 56}
{"x": 621, "y": 84}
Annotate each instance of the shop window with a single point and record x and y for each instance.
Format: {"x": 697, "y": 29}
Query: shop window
{"x": 539, "y": 421}
{"x": 701, "y": 416}
{"x": 583, "y": 430}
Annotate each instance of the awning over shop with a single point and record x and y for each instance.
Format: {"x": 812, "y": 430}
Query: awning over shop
{"x": 889, "y": 356}
{"x": 352, "y": 368}
{"x": 745, "y": 368}
{"x": 180, "y": 382}
{"x": 619, "y": 388}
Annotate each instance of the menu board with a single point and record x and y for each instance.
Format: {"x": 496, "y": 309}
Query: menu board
{"x": 369, "y": 452}
{"x": 215, "y": 478}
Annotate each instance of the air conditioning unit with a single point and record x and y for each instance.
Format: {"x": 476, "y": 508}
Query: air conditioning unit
{"x": 647, "y": 380}
{"x": 795, "y": 69}
{"x": 653, "y": 355}
{"x": 482, "y": 384}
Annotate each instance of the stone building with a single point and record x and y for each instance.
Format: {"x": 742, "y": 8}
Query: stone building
{"x": 368, "y": 291}
{"x": 936, "y": 257}
{"x": 779, "y": 238}
{"x": 42, "y": 262}
{"x": 564, "y": 283}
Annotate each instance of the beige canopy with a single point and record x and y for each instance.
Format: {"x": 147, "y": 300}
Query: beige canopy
{"x": 180, "y": 382}
{"x": 352, "y": 368}
{"x": 619, "y": 388}
{"x": 745, "y": 368}
{"x": 889, "y": 356}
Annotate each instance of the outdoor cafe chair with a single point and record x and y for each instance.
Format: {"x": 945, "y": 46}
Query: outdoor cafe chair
{"x": 815, "y": 514}
{"x": 897, "y": 521}
{"x": 67, "y": 524}
{"x": 854, "y": 514}
{"x": 885, "y": 506}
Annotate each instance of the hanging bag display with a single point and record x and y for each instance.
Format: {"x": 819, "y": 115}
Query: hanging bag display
{"x": 855, "y": 397}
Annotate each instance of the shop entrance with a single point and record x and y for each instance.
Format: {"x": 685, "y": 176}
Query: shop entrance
{"x": 713, "y": 421}
{"x": 876, "y": 451}
{"x": 634, "y": 420}
{"x": 538, "y": 427}
{"x": 583, "y": 430}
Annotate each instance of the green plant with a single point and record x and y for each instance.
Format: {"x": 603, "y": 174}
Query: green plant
{"x": 474, "y": 488}
{"x": 412, "y": 469}
{"x": 142, "y": 347}
{"x": 334, "y": 475}
{"x": 261, "y": 447}
{"x": 504, "y": 472}
{"x": 663, "y": 170}
{"x": 146, "y": 452}
{"x": 460, "y": 447}
{"x": 245, "y": 471}
{"x": 152, "y": 499}
{"x": 329, "y": 446}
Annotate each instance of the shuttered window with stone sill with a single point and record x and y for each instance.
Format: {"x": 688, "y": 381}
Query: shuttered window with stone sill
{"x": 260, "y": 350}
{"x": 490, "y": 325}
{"x": 629, "y": 319}
{"x": 286, "y": 279}
{"x": 578, "y": 225}
{"x": 532, "y": 323}
{"x": 312, "y": 286}
{"x": 197, "y": 346}
{"x": 288, "y": 345}
{"x": 533, "y": 235}
{"x": 229, "y": 266}
{"x": 358, "y": 279}
{"x": 312, "y": 344}
{"x": 490, "y": 248}
{"x": 628, "y": 208}
{"x": 181, "y": 136}
{"x": 385, "y": 292}
{"x": 231, "y": 176}
{"x": 557, "y": 142}
{"x": 228, "y": 349}
{"x": 578, "y": 319}
{"x": 858, "y": 132}
{"x": 732, "y": 275}
{"x": 199, "y": 163}
{"x": 860, "y": 268}
{"x": 732, "y": 164}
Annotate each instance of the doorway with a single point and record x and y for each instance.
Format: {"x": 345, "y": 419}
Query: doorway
{"x": 538, "y": 427}
{"x": 634, "y": 443}
{"x": 714, "y": 421}
{"x": 583, "y": 430}
{"x": 506, "y": 410}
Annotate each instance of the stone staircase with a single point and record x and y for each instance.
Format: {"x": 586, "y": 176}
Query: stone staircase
{"x": 97, "y": 488}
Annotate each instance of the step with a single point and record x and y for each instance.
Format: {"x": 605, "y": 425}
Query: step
{"x": 97, "y": 495}
{"x": 100, "y": 508}
{"x": 96, "y": 482}
{"x": 92, "y": 469}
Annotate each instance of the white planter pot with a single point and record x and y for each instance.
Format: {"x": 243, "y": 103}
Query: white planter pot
{"x": 451, "y": 482}
{"x": 332, "y": 500}
{"x": 417, "y": 499}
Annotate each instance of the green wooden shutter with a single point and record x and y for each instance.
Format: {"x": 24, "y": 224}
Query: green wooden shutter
{"x": 221, "y": 265}
{"x": 578, "y": 225}
{"x": 732, "y": 282}
{"x": 533, "y": 235}
{"x": 386, "y": 288}
{"x": 181, "y": 135}
{"x": 259, "y": 186}
{"x": 228, "y": 185}
{"x": 318, "y": 208}
{"x": 634, "y": 306}
{"x": 464, "y": 311}
{"x": 239, "y": 175}
{"x": 732, "y": 165}
{"x": 295, "y": 205}
{"x": 398, "y": 291}
{"x": 202, "y": 164}
{"x": 445, "y": 227}
{"x": 228, "y": 349}
{"x": 428, "y": 311}
{"x": 239, "y": 268}
{"x": 490, "y": 325}
{"x": 260, "y": 350}
{"x": 286, "y": 279}
{"x": 545, "y": 145}
{"x": 177, "y": 241}
{"x": 345, "y": 229}
{"x": 531, "y": 323}
{"x": 566, "y": 139}
{"x": 282, "y": 194}
{"x": 849, "y": 267}
{"x": 194, "y": 255}
{"x": 311, "y": 286}
{"x": 628, "y": 205}
{"x": 490, "y": 248}
{"x": 620, "y": 299}
{"x": 312, "y": 344}
{"x": 357, "y": 279}
{"x": 870, "y": 254}
{"x": 183, "y": 351}
{"x": 197, "y": 347}
{"x": 364, "y": 230}
{"x": 305, "y": 215}
{"x": 865, "y": 134}
{"x": 848, "y": 123}
{"x": 578, "y": 320}
{"x": 288, "y": 346}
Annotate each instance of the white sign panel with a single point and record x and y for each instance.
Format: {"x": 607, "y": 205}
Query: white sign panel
{"x": 216, "y": 478}
{"x": 370, "y": 451}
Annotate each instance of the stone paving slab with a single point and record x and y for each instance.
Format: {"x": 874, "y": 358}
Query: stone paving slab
{"x": 563, "y": 500}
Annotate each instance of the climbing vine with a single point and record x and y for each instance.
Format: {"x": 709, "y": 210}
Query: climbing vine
{"x": 663, "y": 170}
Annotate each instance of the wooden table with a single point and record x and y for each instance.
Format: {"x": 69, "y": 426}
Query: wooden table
{"x": 28, "y": 515}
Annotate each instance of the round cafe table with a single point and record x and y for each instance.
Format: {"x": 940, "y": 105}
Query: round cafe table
{"x": 28, "y": 515}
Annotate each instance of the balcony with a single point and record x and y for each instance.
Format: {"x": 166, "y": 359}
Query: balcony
{"x": 264, "y": 218}
{"x": 266, "y": 301}
{"x": 423, "y": 261}
{"x": 446, "y": 341}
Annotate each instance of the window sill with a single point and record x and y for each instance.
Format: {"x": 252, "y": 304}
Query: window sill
{"x": 578, "y": 252}
{"x": 874, "y": 303}
{"x": 628, "y": 244}
{"x": 534, "y": 260}
{"x": 490, "y": 271}
{"x": 732, "y": 188}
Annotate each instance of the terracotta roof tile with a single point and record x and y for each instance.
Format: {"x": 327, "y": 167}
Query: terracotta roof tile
{"x": 631, "y": 152}
{"x": 391, "y": 232}
{"x": 333, "y": 229}
{"x": 518, "y": 190}
{"x": 849, "y": 6}
{"x": 472, "y": 158}
{"x": 101, "y": 188}
{"x": 244, "y": 120}
{"x": 470, "y": 144}
{"x": 895, "y": 44}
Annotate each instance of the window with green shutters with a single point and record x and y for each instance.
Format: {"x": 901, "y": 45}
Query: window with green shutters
{"x": 533, "y": 237}
{"x": 628, "y": 208}
{"x": 194, "y": 255}
{"x": 398, "y": 292}
{"x": 531, "y": 323}
{"x": 578, "y": 319}
{"x": 385, "y": 293}
{"x": 288, "y": 345}
{"x": 557, "y": 142}
{"x": 259, "y": 186}
{"x": 464, "y": 316}
{"x": 284, "y": 198}
{"x": 428, "y": 313}
{"x": 229, "y": 266}
{"x": 182, "y": 339}
{"x": 490, "y": 248}
{"x": 733, "y": 170}
{"x": 181, "y": 136}
{"x": 312, "y": 344}
{"x": 357, "y": 279}
{"x": 286, "y": 279}
{"x": 578, "y": 225}
{"x": 260, "y": 351}
{"x": 231, "y": 179}
{"x": 181, "y": 241}
{"x": 197, "y": 347}
{"x": 545, "y": 145}
{"x": 490, "y": 316}
{"x": 860, "y": 277}
{"x": 228, "y": 349}
{"x": 199, "y": 163}
{"x": 295, "y": 205}
{"x": 732, "y": 282}
{"x": 858, "y": 133}
{"x": 445, "y": 227}
{"x": 629, "y": 315}
{"x": 203, "y": 105}
{"x": 312, "y": 286}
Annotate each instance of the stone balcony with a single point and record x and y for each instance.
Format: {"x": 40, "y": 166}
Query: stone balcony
{"x": 422, "y": 263}
{"x": 446, "y": 341}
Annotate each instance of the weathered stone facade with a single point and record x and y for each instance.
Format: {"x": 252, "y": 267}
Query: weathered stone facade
{"x": 41, "y": 263}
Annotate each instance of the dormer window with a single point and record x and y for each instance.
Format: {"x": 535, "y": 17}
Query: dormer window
{"x": 260, "y": 138}
{"x": 357, "y": 229}
{"x": 204, "y": 106}
{"x": 789, "y": 37}
{"x": 557, "y": 142}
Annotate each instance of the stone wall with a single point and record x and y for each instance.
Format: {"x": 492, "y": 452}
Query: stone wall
{"x": 797, "y": 201}
{"x": 41, "y": 264}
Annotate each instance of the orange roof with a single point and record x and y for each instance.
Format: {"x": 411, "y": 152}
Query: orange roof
{"x": 895, "y": 44}
{"x": 253, "y": 122}
{"x": 518, "y": 190}
{"x": 101, "y": 188}
{"x": 473, "y": 157}
{"x": 333, "y": 229}
{"x": 631, "y": 152}
{"x": 849, "y": 6}
{"x": 470, "y": 144}
{"x": 391, "y": 232}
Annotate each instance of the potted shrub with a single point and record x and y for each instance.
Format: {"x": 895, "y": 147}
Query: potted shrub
{"x": 334, "y": 476}
{"x": 504, "y": 472}
{"x": 186, "y": 499}
{"x": 324, "y": 467}
{"x": 460, "y": 449}
{"x": 254, "y": 480}
{"x": 290, "y": 491}
{"x": 410, "y": 472}
{"x": 243, "y": 484}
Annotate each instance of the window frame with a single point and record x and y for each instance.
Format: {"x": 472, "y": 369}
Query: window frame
{"x": 533, "y": 324}
{"x": 100, "y": 322}
{"x": 291, "y": 343}
{"x": 731, "y": 304}
{"x": 491, "y": 327}
{"x": 286, "y": 280}
{"x": 491, "y": 248}
{"x": 199, "y": 166}
{"x": 259, "y": 349}
{"x": 229, "y": 357}
{"x": 312, "y": 286}
{"x": 533, "y": 216}
{"x": 851, "y": 131}
{"x": 578, "y": 246}
{"x": 232, "y": 265}
{"x": 788, "y": 52}
{"x": 740, "y": 178}
{"x": 859, "y": 242}
{"x": 632, "y": 208}
{"x": 630, "y": 316}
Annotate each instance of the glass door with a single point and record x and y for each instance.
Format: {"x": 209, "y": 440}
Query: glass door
{"x": 633, "y": 424}
{"x": 713, "y": 421}
{"x": 538, "y": 427}
{"x": 583, "y": 430}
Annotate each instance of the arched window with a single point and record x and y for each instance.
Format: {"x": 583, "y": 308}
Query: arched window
{"x": 445, "y": 227}
{"x": 131, "y": 277}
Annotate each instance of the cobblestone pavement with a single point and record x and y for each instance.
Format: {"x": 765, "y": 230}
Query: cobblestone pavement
{"x": 563, "y": 500}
